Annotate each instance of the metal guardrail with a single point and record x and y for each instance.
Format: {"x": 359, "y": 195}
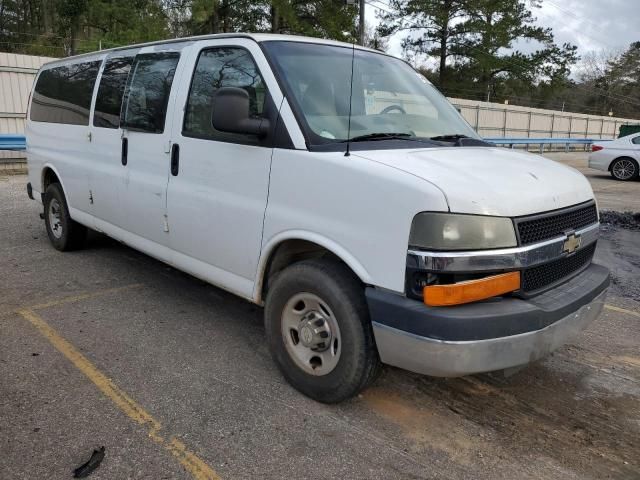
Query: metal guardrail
{"x": 12, "y": 142}
{"x": 567, "y": 142}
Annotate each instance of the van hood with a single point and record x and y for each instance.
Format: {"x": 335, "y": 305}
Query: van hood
{"x": 491, "y": 181}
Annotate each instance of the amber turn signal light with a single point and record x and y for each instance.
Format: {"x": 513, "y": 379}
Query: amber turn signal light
{"x": 471, "y": 290}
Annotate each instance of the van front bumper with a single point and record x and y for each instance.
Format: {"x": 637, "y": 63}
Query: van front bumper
{"x": 485, "y": 336}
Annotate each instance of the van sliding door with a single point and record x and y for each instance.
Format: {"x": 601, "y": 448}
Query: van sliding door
{"x": 106, "y": 179}
{"x": 146, "y": 119}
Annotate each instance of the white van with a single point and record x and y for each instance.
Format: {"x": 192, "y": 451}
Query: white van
{"x": 332, "y": 184}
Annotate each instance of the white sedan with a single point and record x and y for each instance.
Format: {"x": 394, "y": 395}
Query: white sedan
{"x": 621, "y": 157}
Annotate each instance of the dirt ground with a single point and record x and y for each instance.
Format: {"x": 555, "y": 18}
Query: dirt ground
{"x": 611, "y": 194}
{"x": 108, "y": 347}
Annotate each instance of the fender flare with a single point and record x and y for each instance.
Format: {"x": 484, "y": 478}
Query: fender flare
{"x": 338, "y": 250}
{"x": 55, "y": 170}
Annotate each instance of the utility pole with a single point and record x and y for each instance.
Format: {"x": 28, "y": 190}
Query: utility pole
{"x": 361, "y": 32}
{"x": 360, "y": 18}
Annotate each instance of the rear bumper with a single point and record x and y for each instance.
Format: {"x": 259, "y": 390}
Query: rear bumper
{"x": 475, "y": 339}
{"x": 599, "y": 162}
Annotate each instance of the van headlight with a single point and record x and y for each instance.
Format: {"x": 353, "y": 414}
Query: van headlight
{"x": 447, "y": 231}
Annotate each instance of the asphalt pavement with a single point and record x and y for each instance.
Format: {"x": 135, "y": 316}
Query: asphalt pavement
{"x": 109, "y": 347}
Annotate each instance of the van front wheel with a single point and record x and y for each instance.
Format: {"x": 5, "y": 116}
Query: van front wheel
{"x": 64, "y": 233}
{"x": 319, "y": 332}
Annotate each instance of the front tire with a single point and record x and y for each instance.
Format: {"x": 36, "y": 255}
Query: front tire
{"x": 624, "y": 169}
{"x": 319, "y": 332}
{"x": 64, "y": 233}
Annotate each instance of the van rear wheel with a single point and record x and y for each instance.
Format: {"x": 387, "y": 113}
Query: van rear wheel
{"x": 64, "y": 233}
{"x": 319, "y": 332}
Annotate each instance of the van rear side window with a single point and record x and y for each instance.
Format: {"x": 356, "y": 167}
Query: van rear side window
{"x": 111, "y": 91}
{"x": 148, "y": 91}
{"x": 63, "y": 94}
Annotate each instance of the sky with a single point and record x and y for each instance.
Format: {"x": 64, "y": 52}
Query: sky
{"x": 592, "y": 25}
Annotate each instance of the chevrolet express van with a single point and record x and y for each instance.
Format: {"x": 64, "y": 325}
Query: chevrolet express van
{"x": 332, "y": 184}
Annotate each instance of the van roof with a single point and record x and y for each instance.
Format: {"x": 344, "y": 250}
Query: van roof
{"x": 257, "y": 37}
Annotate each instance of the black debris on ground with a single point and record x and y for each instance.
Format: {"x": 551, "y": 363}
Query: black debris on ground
{"x": 611, "y": 219}
{"x": 90, "y": 465}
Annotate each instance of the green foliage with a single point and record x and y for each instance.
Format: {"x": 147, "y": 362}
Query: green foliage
{"x": 475, "y": 42}
{"x": 62, "y": 27}
{"x": 614, "y": 85}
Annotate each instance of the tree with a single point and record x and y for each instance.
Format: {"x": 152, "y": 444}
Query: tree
{"x": 316, "y": 18}
{"x": 434, "y": 28}
{"x": 494, "y": 26}
{"x": 621, "y": 82}
{"x": 372, "y": 39}
{"x": 481, "y": 36}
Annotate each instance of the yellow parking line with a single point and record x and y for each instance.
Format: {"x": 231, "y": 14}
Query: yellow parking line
{"x": 84, "y": 296}
{"x": 622, "y": 310}
{"x": 189, "y": 460}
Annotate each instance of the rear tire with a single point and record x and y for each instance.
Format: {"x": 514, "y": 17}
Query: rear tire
{"x": 319, "y": 332}
{"x": 624, "y": 169}
{"x": 64, "y": 233}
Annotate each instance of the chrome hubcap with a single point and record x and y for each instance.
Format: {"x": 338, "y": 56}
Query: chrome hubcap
{"x": 311, "y": 334}
{"x": 55, "y": 220}
{"x": 624, "y": 169}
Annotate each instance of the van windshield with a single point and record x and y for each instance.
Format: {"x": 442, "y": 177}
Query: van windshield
{"x": 390, "y": 100}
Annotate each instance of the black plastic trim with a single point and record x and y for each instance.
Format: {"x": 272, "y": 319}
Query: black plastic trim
{"x": 495, "y": 318}
{"x": 548, "y": 213}
{"x": 281, "y": 137}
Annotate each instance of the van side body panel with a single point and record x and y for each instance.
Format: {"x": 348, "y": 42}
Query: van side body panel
{"x": 106, "y": 178}
{"x": 61, "y": 146}
{"x": 350, "y": 205}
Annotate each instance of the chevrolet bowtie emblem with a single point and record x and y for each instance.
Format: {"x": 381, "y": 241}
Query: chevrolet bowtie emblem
{"x": 572, "y": 243}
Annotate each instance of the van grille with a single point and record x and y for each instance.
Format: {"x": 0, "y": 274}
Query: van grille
{"x": 537, "y": 278}
{"x": 544, "y": 227}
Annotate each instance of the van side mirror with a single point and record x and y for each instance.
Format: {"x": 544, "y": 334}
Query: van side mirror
{"x": 231, "y": 113}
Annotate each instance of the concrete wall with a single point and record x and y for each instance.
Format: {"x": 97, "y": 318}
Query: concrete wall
{"x": 498, "y": 120}
{"x": 16, "y": 78}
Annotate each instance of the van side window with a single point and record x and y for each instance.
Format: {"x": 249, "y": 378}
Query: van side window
{"x": 147, "y": 92}
{"x": 111, "y": 91}
{"x": 222, "y": 67}
{"x": 636, "y": 140}
{"x": 63, "y": 94}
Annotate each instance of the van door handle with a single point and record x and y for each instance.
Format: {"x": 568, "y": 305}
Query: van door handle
{"x": 125, "y": 150}
{"x": 175, "y": 159}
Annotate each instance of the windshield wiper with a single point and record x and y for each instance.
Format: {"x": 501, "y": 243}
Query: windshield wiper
{"x": 460, "y": 140}
{"x": 449, "y": 138}
{"x": 382, "y": 136}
